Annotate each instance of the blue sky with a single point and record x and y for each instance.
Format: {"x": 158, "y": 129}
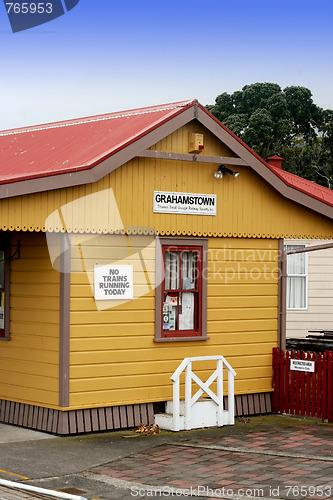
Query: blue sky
{"x": 106, "y": 56}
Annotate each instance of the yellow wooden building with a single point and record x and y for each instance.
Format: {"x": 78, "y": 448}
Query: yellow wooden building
{"x": 130, "y": 241}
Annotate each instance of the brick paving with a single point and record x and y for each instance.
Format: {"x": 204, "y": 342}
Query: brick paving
{"x": 270, "y": 464}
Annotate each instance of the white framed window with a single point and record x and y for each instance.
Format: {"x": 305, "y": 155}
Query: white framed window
{"x": 297, "y": 278}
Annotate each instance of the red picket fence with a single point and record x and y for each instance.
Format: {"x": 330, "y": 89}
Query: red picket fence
{"x": 303, "y": 393}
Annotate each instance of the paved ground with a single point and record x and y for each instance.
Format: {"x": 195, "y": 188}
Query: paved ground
{"x": 266, "y": 457}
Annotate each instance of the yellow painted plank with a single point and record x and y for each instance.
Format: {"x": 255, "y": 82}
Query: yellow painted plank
{"x": 187, "y": 349}
{"x": 253, "y": 385}
{"x": 244, "y": 313}
{"x": 35, "y": 290}
{"x": 253, "y": 269}
{"x": 35, "y": 265}
{"x": 242, "y": 302}
{"x": 31, "y": 343}
{"x": 39, "y": 329}
{"x": 233, "y": 253}
{"x": 242, "y": 325}
{"x": 122, "y": 396}
{"x": 111, "y": 316}
{"x": 156, "y": 366}
{"x": 34, "y": 251}
{"x": 28, "y": 395}
{"x": 154, "y": 380}
{"x": 229, "y": 244}
{"x": 18, "y": 353}
{"x": 253, "y": 277}
{"x": 106, "y": 330}
{"x": 114, "y": 340}
{"x": 77, "y": 264}
{"x": 142, "y": 342}
{"x": 23, "y": 367}
{"x": 27, "y": 277}
{"x": 243, "y": 289}
{"x": 35, "y": 303}
{"x": 89, "y": 304}
{"x": 29, "y": 316}
{"x": 108, "y": 249}
{"x": 29, "y": 381}
{"x": 146, "y": 394}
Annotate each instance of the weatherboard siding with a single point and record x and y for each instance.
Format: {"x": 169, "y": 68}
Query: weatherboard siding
{"x": 319, "y": 314}
{"x": 29, "y": 366}
{"x": 113, "y": 357}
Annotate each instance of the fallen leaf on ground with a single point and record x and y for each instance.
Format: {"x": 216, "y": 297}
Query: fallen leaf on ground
{"x": 148, "y": 430}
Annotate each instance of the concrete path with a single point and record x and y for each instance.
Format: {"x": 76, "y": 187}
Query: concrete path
{"x": 262, "y": 457}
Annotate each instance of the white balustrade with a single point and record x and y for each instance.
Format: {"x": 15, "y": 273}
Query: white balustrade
{"x": 222, "y": 416}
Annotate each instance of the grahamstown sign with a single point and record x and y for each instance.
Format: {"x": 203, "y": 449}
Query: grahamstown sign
{"x": 24, "y": 15}
{"x": 184, "y": 203}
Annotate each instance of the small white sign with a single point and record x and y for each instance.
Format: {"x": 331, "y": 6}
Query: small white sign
{"x": 184, "y": 203}
{"x": 301, "y": 365}
{"x": 113, "y": 282}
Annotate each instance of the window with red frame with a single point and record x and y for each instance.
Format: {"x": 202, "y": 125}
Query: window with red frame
{"x": 181, "y": 291}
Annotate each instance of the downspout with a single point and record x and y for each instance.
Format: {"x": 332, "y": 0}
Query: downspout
{"x": 282, "y": 296}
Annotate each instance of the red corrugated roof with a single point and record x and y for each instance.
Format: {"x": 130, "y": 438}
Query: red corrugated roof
{"x": 312, "y": 189}
{"x": 73, "y": 145}
{"x": 80, "y": 144}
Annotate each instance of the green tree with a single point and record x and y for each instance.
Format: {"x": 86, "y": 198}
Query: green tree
{"x": 283, "y": 122}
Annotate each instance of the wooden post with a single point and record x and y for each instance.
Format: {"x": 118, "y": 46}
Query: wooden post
{"x": 324, "y": 388}
{"x": 292, "y": 387}
{"x": 175, "y": 404}
{"x": 286, "y": 383}
{"x": 188, "y": 395}
{"x": 220, "y": 392}
{"x": 319, "y": 368}
{"x": 329, "y": 385}
{"x": 231, "y": 399}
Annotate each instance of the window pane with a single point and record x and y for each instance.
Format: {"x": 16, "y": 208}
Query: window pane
{"x": 187, "y": 312}
{"x": 189, "y": 270}
{"x": 296, "y": 292}
{"x": 179, "y": 311}
{"x": 170, "y": 311}
{"x": 172, "y": 267}
{"x": 296, "y": 262}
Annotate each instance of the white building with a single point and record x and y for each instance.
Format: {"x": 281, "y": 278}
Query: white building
{"x": 309, "y": 289}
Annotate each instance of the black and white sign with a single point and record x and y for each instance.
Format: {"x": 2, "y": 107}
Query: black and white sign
{"x": 113, "y": 282}
{"x": 301, "y": 365}
{"x": 184, "y": 203}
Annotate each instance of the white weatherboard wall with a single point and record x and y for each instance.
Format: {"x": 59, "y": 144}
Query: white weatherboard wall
{"x": 319, "y": 314}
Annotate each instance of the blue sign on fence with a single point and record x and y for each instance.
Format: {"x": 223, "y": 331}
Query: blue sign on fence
{"x": 24, "y": 15}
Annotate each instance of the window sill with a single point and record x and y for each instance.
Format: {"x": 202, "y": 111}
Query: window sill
{"x": 4, "y": 338}
{"x": 181, "y": 339}
{"x": 301, "y": 309}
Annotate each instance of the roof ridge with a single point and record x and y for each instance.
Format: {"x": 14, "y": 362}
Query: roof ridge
{"x": 82, "y": 121}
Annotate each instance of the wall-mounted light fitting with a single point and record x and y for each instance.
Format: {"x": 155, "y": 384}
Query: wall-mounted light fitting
{"x": 222, "y": 170}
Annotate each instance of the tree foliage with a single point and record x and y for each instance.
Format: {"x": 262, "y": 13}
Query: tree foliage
{"x": 280, "y": 122}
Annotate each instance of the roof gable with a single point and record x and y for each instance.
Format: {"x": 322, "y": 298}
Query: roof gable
{"x": 82, "y": 151}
